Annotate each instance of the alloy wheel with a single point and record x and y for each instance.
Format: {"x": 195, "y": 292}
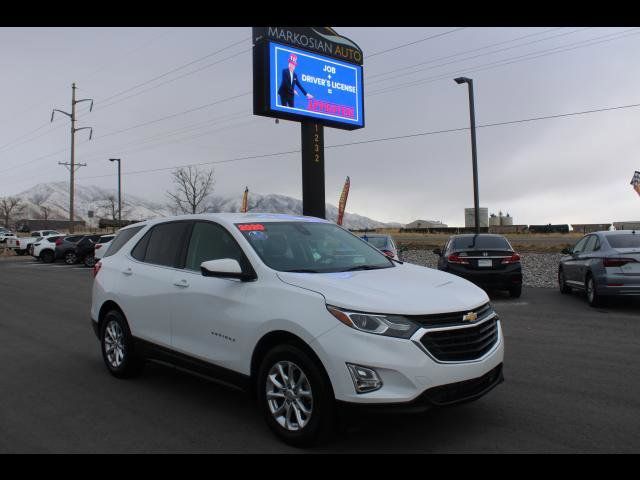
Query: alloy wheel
{"x": 70, "y": 258}
{"x": 289, "y": 395}
{"x": 114, "y": 344}
{"x": 590, "y": 289}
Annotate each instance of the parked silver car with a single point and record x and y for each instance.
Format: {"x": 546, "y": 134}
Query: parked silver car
{"x": 384, "y": 243}
{"x": 602, "y": 264}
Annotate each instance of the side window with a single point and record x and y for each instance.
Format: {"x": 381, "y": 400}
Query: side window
{"x": 166, "y": 243}
{"x": 121, "y": 238}
{"x": 579, "y": 247}
{"x": 591, "y": 243}
{"x": 597, "y": 245}
{"x": 210, "y": 241}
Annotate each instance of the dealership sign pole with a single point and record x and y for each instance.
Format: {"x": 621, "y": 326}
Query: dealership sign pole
{"x": 313, "y": 76}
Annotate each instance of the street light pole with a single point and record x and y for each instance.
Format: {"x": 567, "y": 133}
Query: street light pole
{"x": 119, "y": 191}
{"x": 474, "y": 154}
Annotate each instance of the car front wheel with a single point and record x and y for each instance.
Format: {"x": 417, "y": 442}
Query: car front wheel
{"x": 295, "y": 397}
{"x": 70, "y": 258}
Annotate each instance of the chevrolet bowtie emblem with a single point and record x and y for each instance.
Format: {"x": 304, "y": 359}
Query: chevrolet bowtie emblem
{"x": 470, "y": 317}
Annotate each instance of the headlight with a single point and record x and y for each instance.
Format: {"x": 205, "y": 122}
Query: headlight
{"x": 387, "y": 325}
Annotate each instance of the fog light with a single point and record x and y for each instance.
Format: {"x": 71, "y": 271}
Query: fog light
{"x": 364, "y": 379}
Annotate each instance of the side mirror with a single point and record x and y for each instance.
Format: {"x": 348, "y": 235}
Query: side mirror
{"x": 225, "y": 268}
{"x": 437, "y": 251}
{"x": 567, "y": 251}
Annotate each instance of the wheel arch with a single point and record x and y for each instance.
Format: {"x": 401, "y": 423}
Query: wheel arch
{"x": 273, "y": 339}
{"x": 106, "y": 308}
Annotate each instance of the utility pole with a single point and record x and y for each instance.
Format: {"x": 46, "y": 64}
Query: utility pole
{"x": 474, "y": 154}
{"x": 72, "y": 166}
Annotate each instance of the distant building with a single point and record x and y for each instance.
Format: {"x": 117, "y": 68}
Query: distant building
{"x": 29, "y": 225}
{"x": 590, "y": 227}
{"x": 470, "y": 217}
{"x": 500, "y": 220}
{"x": 627, "y": 225}
{"x": 417, "y": 224}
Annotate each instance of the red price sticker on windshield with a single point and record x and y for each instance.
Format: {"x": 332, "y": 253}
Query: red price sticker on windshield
{"x": 251, "y": 227}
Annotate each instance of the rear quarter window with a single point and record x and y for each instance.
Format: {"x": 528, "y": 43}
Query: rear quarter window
{"x": 624, "y": 241}
{"x": 121, "y": 238}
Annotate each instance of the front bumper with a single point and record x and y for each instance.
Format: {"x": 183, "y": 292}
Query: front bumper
{"x": 442, "y": 396}
{"x": 407, "y": 371}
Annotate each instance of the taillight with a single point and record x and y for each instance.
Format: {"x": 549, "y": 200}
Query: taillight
{"x": 98, "y": 246}
{"x": 617, "y": 262}
{"x": 17, "y": 243}
{"x": 58, "y": 242}
{"x": 515, "y": 258}
{"x": 455, "y": 258}
{"x": 388, "y": 253}
{"x": 96, "y": 268}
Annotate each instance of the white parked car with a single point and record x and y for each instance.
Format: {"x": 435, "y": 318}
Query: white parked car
{"x": 24, "y": 245}
{"x": 103, "y": 244}
{"x": 291, "y": 309}
{"x": 44, "y": 248}
{"x": 4, "y": 234}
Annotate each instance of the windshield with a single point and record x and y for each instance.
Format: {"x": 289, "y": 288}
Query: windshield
{"x": 624, "y": 241}
{"x": 481, "y": 243}
{"x": 378, "y": 242}
{"x": 311, "y": 247}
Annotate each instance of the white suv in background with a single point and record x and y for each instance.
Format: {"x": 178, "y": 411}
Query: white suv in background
{"x": 102, "y": 245}
{"x": 300, "y": 312}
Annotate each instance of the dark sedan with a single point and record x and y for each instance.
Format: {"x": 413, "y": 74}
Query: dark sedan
{"x": 602, "y": 264}
{"x": 487, "y": 260}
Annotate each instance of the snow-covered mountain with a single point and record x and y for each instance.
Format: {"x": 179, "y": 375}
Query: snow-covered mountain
{"x": 55, "y": 197}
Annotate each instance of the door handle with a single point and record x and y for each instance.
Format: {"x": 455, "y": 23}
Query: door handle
{"x": 127, "y": 271}
{"x": 181, "y": 283}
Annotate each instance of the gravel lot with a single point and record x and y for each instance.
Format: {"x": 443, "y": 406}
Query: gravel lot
{"x": 538, "y": 269}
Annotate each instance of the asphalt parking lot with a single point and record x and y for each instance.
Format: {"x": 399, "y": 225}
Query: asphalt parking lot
{"x": 572, "y": 385}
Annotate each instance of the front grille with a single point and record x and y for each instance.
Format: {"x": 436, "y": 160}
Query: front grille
{"x": 449, "y": 319}
{"x": 462, "y": 344}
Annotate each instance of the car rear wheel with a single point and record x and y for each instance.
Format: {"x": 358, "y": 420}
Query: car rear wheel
{"x": 562, "y": 283}
{"x": 117, "y": 347}
{"x": 47, "y": 256}
{"x": 592, "y": 295}
{"x": 295, "y": 397}
{"x": 89, "y": 261}
{"x": 70, "y": 258}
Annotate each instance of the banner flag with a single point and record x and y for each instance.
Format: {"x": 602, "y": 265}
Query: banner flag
{"x": 635, "y": 181}
{"x": 343, "y": 200}
{"x": 245, "y": 200}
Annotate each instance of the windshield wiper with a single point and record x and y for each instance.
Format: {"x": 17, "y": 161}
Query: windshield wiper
{"x": 302, "y": 270}
{"x": 363, "y": 267}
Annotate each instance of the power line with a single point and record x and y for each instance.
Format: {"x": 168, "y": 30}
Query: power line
{"x": 462, "y": 53}
{"x": 384, "y": 139}
{"x": 474, "y": 56}
{"x": 173, "y": 70}
{"x": 508, "y": 61}
{"x": 414, "y": 42}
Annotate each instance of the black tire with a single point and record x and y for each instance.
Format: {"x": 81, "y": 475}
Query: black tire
{"x": 48, "y": 256}
{"x": 70, "y": 258}
{"x": 89, "y": 261}
{"x": 30, "y": 249}
{"x": 20, "y": 252}
{"x": 515, "y": 292}
{"x": 593, "y": 298}
{"x": 322, "y": 420}
{"x": 130, "y": 365}
{"x": 562, "y": 284}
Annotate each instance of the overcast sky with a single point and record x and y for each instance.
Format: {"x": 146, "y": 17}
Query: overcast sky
{"x": 567, "y": 170}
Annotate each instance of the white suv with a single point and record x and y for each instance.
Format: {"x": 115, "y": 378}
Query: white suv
{"x": 305, "y": 315}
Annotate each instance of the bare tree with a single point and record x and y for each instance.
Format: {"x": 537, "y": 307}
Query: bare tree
{"x": 9, "y": 207}
{"x": 109, "y": 208}
{"x": 38, "y": 199}
{"x": 192, "y": 187}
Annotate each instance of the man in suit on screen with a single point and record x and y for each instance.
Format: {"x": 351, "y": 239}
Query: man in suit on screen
{"x": 288, "y": 83}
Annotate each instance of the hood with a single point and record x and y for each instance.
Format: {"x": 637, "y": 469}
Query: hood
{"x": 405, "y": 289}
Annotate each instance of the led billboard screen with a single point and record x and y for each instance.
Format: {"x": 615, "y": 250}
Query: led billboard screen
{"x": 303, "y": 85}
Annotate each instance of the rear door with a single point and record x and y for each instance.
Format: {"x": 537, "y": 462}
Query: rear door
{"x": 146, "y": 281}
{"x": 571, "y": 265}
